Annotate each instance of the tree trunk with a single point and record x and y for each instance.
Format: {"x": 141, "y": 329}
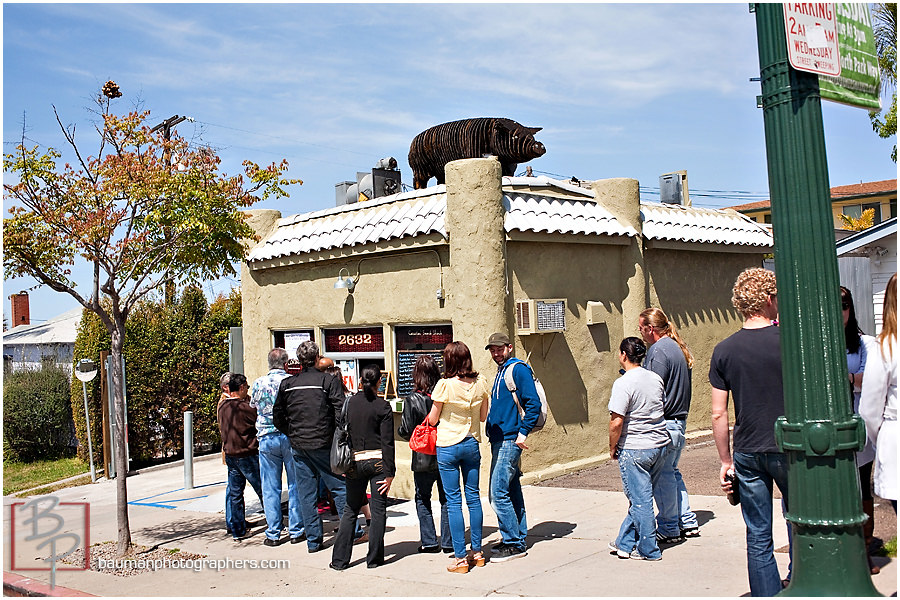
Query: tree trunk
{"x": 123, "y": 547}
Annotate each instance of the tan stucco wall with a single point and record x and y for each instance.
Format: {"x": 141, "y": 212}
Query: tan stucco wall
{"x": 577, "y": 367}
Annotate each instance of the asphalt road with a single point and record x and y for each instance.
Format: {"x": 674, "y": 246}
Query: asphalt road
{"x": 699, "y": 467}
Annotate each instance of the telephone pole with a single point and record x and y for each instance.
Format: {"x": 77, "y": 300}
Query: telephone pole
{"x": 166, "y": 127}
{"x": 818, "y": 432}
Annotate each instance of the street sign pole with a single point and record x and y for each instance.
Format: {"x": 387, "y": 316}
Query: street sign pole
{"x": 819, "y": 433}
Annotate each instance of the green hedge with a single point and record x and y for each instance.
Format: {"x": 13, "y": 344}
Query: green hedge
{"x": 36, "y": 414}
{"x": 174, "y": 356}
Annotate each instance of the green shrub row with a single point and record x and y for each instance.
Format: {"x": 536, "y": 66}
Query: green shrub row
{"x": 174, "y": 356}
{"x": 37, "y": 416}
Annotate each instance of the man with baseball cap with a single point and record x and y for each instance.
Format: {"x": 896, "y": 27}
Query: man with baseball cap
{"x": 507, "y": 428}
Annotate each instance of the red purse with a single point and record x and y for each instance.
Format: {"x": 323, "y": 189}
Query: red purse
{"x": 424, "y": 438}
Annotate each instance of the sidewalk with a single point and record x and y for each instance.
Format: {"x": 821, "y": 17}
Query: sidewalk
{"x": 567, "y": 556}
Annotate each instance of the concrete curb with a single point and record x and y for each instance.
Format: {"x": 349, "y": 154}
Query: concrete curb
{"x": 18, "y": 586}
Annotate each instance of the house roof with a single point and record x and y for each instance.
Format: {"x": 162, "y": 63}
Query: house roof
{"x": 533, "y": 205}
{"x": 867, "y": 236}
{"x": 61, "y": 329}
{"x": 841, "y": 192}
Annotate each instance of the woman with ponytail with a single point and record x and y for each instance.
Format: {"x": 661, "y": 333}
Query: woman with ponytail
{"x": 670, "y": 358}
{"x": 370, "y": 423}
{"x": 637, "y": 439}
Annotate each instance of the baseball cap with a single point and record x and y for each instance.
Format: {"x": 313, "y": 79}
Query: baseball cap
{"x": 497, "y": 339}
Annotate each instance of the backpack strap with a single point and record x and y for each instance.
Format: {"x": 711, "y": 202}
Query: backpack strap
{"x": 511, "y": 384}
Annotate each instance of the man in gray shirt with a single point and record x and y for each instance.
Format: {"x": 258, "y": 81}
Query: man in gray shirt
{"x": 669, "y": 357}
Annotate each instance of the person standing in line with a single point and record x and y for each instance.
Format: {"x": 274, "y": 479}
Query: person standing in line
{"x": 669, "y": 357}
{"x": 857, "y": 345}
{"x": 416, "y": 407}
{"x": 305, "y": 410}
{"x": 638, "y": 438}
{"x": 747, "y": 365}
{"x": 275, "y": 454}
{"x": 223, "y": 389}
{"x": 237, "y": 426}
{"x": 370, "y": 424}
{"x": 460, "y": 404}
{"x": 878, "y": 402}
{"x": 508, "y": 426}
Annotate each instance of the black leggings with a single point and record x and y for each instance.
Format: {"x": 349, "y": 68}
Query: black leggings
{"x": 367, "y": 474}
{"x": 865, "y": 480}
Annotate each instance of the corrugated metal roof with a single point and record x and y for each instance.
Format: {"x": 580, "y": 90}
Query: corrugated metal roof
{"x": 546, "y": 206}
{"x": 702, "y": 226}
{"x": 867, "y": 236}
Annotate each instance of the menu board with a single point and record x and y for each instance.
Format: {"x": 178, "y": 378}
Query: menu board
{"x": 406, "y": 360}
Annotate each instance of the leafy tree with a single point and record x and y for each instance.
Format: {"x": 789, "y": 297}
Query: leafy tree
{"x": 885, "y": 30}
{"x": 135, "y": 220}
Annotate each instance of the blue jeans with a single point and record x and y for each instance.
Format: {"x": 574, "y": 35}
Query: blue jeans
{"x": 640, "y": 470}
{"x": 462, "y": 458}
{"x": 506, "y": 493}
{"x": 669, "y": 492}
{"x": 241, "y": 470}
{"x": 275, "y": 454}
{"x": 755, "y": 473}
{"x": 311, "y": 465}
{"x": 424, "y": 484}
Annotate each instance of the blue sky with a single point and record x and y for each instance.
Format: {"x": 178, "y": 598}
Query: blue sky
{"x": 620, "y": 90}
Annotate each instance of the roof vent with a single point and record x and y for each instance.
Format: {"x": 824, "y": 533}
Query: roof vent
{"x": 383, "y": 180}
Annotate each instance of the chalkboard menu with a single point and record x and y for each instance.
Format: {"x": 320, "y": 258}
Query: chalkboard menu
{"x": 406, "y": 360}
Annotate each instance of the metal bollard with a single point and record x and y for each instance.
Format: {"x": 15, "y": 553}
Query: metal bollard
{"x": 188, "y": 450}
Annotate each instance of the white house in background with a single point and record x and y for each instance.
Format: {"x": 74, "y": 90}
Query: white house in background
{"x": 866, "y": 261}
{"x": 28, "y": 346}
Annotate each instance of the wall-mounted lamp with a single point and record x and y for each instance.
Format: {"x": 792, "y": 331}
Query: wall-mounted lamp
{"x": 344, "y": 283}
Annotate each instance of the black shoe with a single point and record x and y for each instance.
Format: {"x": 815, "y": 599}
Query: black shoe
{"x": 508, "y": 553}
{"x": 428, "y": 549}
{"x": 447, "y": 550}
{"x": 319, "y": 548}
{"x": 497, "y": 547}
{"x": 374, "y": 565}
{"x": 669, "y": 539}
{"x": 270, "y": 542}
{"x": 335, "y": 567}
{"x": 298, "y": 539}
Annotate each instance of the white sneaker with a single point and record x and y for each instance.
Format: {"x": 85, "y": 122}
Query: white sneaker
{"x": 613, "y": 549}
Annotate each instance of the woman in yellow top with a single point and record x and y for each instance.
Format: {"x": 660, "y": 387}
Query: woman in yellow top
{"x": 460, "y": 403}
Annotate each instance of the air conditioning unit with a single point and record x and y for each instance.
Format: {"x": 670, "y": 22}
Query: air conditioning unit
{"x": 540, "y": 316}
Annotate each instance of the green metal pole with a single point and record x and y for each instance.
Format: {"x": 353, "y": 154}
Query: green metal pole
{"x": 819, "y": 432}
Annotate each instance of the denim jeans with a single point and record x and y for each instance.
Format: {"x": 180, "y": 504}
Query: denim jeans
{"x": 240, "y": 471}
{"x": 369, "y": 473}
{"x": 424, "y": 484}
{"x": 640, "y": 470}
{"x": 669, "y": 492}
{"x": 462, "y": 458}
{"x": 755, "y": 473}
{"x": 311, "y": 465}
{"x": 275, "y": 454}
{"x": 505, "y": 493}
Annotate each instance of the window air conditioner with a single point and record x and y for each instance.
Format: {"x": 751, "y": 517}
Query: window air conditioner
{"x": 540, "y": 316}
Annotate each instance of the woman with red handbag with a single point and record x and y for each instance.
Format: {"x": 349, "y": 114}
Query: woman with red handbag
{"x": 460, "y": 403}
{"x": 424, "y": 466}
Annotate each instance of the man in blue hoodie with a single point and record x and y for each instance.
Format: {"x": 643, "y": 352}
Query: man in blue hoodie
{"x": 508, "y": 426}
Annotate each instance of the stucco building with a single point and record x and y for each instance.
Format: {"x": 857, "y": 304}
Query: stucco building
{"x": 462, "y": 260}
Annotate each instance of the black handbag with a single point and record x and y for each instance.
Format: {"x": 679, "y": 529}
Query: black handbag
{"x": 341, "y": 452}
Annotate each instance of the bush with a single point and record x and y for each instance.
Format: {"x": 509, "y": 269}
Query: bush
{"x": 37, "y": 414}
{"x": 174, "y": 356}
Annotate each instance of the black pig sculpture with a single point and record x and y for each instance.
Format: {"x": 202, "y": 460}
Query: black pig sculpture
{"x": 432, "y": 149}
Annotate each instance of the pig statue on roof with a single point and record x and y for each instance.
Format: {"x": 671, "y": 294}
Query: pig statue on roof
{"x": 432, "y": 149}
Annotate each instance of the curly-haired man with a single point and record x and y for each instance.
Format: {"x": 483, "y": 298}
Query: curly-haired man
{"x": 748, "y": 365}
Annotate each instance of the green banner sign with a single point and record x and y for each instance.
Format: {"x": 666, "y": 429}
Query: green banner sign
{"x": 859, "y": 83}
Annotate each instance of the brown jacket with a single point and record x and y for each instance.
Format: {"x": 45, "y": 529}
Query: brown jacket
{"x": 237, "y": 426}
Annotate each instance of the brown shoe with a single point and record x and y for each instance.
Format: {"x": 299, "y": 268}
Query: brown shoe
{"x": 476, "y": 559}
{"x": 459, "y": 565}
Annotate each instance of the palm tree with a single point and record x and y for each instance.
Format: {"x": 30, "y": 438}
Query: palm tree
{"x": 885, "y": 30}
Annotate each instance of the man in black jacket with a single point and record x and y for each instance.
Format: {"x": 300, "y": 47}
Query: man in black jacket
{"x": 305, "y": 410}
